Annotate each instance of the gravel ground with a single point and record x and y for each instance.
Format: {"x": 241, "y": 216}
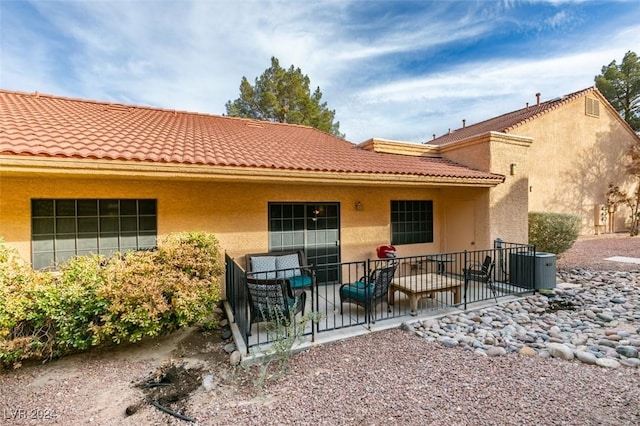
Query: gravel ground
{"x": 590, "y": 252}
{"x": 386, "y": 378}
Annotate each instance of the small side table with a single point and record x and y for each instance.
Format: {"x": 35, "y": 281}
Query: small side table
{"x": 441, "y": 260}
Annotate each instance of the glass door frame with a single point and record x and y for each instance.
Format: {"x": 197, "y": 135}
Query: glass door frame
{"x": 313, "y": 227}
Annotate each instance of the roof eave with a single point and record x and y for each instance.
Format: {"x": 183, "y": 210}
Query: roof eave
{"x": 71, "y": 167}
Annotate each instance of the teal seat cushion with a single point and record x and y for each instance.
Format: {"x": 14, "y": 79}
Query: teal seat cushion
{"x": 291, "y": 301}
{"x": 357, "y": 290}
{"x": 300, "y": 281}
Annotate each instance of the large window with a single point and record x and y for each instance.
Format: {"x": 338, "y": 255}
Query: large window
{"x": 411, "y": 222}
{"x": 61, "y": 229}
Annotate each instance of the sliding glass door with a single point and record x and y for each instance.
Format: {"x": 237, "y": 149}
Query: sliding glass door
{"x": 312, "y": 227}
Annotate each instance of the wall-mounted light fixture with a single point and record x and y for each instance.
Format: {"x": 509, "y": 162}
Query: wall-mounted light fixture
{"x": 358, "y": 205}
{"x": 513, "y": 168}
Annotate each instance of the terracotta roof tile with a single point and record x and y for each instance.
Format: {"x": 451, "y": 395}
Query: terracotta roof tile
{"x": 509, "y": 121}
{"x": 44, "y": 125}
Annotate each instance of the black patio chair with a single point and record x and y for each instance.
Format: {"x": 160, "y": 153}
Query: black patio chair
{"x": 273, "y": 301}
{"x": 367, "y": 292}
{"x": 482, "y": 273}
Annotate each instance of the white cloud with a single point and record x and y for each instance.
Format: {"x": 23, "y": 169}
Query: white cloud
{"x": 192, "y": 55}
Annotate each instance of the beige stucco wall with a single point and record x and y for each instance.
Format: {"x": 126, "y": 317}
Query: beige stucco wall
{"x": 237, "y": 212}
{"x": 564, "y": 161}
{"x": 504, "y": 208}
{"x": 574, "y": 157}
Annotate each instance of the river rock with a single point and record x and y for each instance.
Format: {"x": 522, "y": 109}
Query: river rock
{"x": 607, "y": 363}
{"x": 627, "y": 351}
{"x": 586, "y": 357}
{"x": 559, "y": 350}
{"x": 586, "y": 320}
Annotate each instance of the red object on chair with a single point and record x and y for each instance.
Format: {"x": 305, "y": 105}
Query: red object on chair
{"x": 386, "y": 252}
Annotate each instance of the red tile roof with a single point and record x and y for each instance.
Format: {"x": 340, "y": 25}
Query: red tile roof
{"x": 51, "y": 126}
{"x": 507, "y": 122}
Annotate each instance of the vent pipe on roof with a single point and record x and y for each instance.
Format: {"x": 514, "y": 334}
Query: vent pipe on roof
{"x": 434, "y": 136}
{"x": 464, "y": 123}
{"x": 449, "y": 130}
{"x": 527, "y": 105}
{"x": 537, "y": 98}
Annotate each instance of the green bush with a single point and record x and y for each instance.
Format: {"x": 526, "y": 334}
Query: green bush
{"x": 152, "y": 293}
{"x": 78, "y": 304}
{"x": 96, "y": 301}
{"x": 553, "y": 232}
{"x": 25, "y": 331}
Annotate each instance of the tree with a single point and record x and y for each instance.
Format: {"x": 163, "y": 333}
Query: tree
{"x": 284, "y": 96}
{"x": 620, "y": 84}
{"x": 617, "y": 196}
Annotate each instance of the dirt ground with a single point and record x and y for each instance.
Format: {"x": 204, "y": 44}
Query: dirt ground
{"x": 590, "y": 252}
{"x": 102, "y": 386}
{"x": 116, "y": 386}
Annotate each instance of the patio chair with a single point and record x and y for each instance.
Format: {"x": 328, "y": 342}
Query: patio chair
{"x": 367, "y": 292}
{"x": 289, "y": 265}
{"x": 273, "y": 301}
{"x": 482, "y": 273}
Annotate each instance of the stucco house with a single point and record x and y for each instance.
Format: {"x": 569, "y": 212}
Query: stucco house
{"x": 80, "y": 176}
{"x": 577, "y": 145}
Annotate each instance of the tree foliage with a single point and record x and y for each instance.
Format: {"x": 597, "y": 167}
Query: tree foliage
{"x": 617, "y": 196}
{"x": 620, "y": 84}
{"x": 284, "y": 96}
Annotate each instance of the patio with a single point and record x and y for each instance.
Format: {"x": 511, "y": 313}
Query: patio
{"x": 428, "y": 285}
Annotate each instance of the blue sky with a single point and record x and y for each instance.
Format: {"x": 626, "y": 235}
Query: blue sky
{"x": 391, "y": 69}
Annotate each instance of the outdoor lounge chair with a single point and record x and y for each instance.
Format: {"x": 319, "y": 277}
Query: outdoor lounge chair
{"x": 288, "y": 265}
{"x": 367, "y": 292}
{"x": 481, "y": 273}
{"x": 273, "y": 301}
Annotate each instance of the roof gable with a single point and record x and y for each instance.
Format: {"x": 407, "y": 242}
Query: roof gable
{"x": 506, "y": 123}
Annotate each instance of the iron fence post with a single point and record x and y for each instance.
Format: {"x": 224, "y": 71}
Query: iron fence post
{"x": 464, "y": 265}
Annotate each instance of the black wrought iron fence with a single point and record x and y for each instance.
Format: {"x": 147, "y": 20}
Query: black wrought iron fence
{"x": 361, "y": 293}
{"x": 267, "y": 321}
{"x": 236, "y": 293}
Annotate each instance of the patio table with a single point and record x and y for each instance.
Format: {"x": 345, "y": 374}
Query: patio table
{"x": 424, "y": 285}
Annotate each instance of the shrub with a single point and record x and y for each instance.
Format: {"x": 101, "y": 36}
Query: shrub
{"x": 193, "y": 267}
{"x": 78, "y": 303}
{"x": 94, "y": 301}
{"x": 152, "y": 293}
{"x": 25, "y": 330}
{"x": 553, "y": 232}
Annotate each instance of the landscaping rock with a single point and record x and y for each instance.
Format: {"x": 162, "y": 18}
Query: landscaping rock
{"x": 594, "y": 318}
{"x": 235, "y": 358}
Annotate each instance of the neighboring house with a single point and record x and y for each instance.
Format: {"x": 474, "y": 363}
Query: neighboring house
{"x": 577, "y": 147}
{"x": 80, "y": 176}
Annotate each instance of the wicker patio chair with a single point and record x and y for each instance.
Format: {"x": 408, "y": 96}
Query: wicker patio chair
{"x": 367, "y": 292}
{"x": 273, "y": 301}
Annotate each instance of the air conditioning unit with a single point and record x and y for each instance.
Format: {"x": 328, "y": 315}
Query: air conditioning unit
{"x": 533, "y": 271}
